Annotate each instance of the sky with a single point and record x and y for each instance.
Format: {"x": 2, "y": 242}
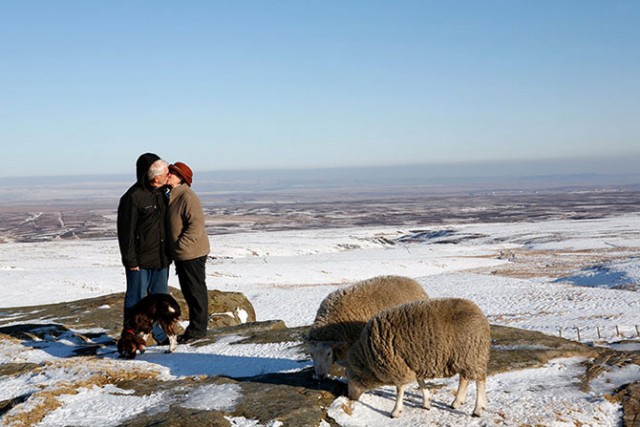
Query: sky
{"x": 224, "y": 85}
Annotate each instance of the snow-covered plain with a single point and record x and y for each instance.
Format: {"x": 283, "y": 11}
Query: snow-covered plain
{"x": 286, "y": 274}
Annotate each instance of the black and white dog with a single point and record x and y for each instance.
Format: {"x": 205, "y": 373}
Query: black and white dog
{"x": 161, "y": 308}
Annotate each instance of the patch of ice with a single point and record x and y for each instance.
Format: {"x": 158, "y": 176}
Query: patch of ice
{"x": 214, "y": 397}
{"x": 243, "y": 422}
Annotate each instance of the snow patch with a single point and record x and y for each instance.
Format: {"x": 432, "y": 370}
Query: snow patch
{"x": 214, "y": 397}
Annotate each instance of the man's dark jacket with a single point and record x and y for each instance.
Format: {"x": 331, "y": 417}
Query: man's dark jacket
{"x": 141, "y": 221}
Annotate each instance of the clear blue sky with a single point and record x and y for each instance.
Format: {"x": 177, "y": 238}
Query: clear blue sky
{"x": 87, "y": 86}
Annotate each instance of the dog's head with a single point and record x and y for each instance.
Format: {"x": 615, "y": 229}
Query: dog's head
{"x": 129, "y": 344}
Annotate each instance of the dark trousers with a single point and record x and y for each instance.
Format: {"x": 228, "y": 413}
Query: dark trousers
{"x": 192, "y": 276}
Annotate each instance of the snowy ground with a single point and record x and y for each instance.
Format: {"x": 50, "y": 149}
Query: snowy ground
{"x": 286, "y": 275}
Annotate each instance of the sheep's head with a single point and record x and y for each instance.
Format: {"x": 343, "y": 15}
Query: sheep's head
{"x": 360, "y": 376}
{"x": 358, "y": 384}
{"x": 355, "y": 390}
{"x": 323, "y": 354}
{"x": 360, "y": 381}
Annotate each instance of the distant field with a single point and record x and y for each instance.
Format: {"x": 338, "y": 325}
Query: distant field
{"x": 83, "y": 219}
{"x": 46, "y": 208}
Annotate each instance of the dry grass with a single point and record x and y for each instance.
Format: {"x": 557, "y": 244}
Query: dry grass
{"x": 522, "y": 349}
{"x": 46, "y": 400}
{"x": 347, "y": 409}
{"x": 526, "y": 264}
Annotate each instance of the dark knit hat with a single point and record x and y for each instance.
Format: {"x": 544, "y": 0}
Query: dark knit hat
{"x": 143, "y": 164}
{"x": 183, "y": 171}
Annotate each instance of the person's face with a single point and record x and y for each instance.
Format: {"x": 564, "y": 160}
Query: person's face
{"x": 162, "y": 179}
{"x": 174, "y": 180}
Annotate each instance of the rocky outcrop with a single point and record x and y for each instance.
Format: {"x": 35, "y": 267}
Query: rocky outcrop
{"x": 293, "y": 398}
{"x": 228, "y": 309}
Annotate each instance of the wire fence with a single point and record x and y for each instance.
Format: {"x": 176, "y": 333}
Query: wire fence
{"x": 600, "y": 333}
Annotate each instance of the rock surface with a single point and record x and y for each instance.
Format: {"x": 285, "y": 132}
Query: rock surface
{"x": 293, "y": 398}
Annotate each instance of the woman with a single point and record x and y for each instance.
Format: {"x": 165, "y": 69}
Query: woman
{"x": 189, "y": 247}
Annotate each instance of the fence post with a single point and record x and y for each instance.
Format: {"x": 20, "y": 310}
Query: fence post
{"x": 637, "y": 331}
{"x": 617, "y": 331}
{"x": 578, "y": 329}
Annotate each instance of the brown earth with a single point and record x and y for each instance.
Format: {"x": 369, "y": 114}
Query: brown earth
{"x": 83, "y": 218}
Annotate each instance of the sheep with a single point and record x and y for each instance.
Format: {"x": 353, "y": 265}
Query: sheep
{"x": 420, "y": 340}
{"x": 343, "y": 314}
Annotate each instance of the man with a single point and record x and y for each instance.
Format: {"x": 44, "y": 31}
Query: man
{"x": 142, "y": 234}
{"x": 189, "y": 245}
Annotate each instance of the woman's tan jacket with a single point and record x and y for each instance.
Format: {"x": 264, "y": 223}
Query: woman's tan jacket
{"x": 189, "y": 239}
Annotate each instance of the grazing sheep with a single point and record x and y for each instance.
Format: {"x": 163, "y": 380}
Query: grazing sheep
{"x": 344, "y": 313}
{"x": 424, "y": 339}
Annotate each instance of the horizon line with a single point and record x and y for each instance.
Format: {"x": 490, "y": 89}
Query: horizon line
{"x": 575, "y": 161}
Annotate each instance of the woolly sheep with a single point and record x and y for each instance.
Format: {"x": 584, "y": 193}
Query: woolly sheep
{"x": 420, "y": 340}
{"x": 343, "y": 314}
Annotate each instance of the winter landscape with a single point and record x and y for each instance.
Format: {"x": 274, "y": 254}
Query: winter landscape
{"x": 484, "y": 149}
{"x": 565, "y": 263}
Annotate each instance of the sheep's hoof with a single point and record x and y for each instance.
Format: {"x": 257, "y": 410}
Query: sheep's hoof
{"x": 396, "y": 414}
{"x": 426, "y": 406}
{"x": 168, "y": 351}
{"x": 456, "y": 404}
{"x": 475, "y": 415}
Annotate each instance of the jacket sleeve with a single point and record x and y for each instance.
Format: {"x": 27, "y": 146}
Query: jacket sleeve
{"x": 127, "y": 219}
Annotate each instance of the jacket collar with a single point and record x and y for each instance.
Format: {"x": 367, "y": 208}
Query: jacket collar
{"x": 175, "y": 192}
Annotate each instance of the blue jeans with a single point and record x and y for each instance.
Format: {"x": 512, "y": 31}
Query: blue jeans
{"x": 139, "y": 285}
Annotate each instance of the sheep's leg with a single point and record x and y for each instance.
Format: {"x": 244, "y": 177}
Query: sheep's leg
{"x": 397, "y": 410}
{"x": 461, "y": 394}
{"x": 481, "y": 397}
{"x": 426, "y": 395}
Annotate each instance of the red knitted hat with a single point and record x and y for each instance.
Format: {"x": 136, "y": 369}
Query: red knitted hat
{"x": 182, "y": 170}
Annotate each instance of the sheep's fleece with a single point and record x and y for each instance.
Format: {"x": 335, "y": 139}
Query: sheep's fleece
{"x": 420, "y": 340}
{"x": 343, "y": 314}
